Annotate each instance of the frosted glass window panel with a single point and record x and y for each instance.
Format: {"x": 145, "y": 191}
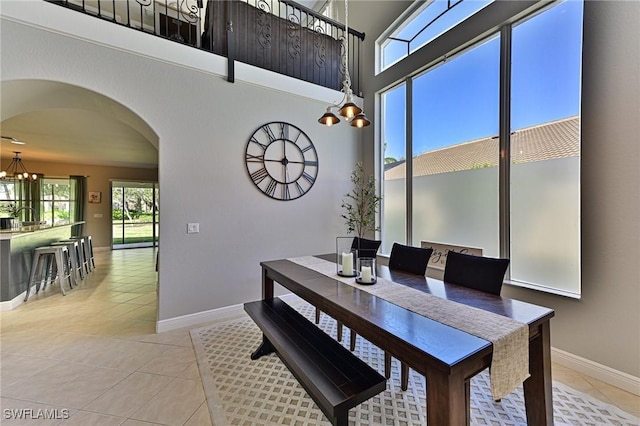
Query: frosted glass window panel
{"x": 545, "y": 171}
{"x": 545, "y": 223}
{"x": 394, "y": 149}
{"x": 458, "y": 208}
{"x": 395, "y": 216}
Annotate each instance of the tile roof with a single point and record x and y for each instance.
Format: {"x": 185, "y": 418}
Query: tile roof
{"x": 556, "y": 139}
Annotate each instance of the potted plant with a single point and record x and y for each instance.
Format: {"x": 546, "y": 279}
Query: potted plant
{"x": 6, "y": 222}
{"x": 361, "y": 204}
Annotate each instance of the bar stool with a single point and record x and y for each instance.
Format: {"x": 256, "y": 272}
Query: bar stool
{"x": 48, "y": 264}
{"x": 84, "y": 260}
{"x": 90, "y": 249}
{"x": 75, "y": 257}
{"x": 86, "y": 246}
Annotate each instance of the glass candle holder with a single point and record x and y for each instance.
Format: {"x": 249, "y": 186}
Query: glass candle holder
{"x": 346, "y": 257}
{"x": 366, "y": 270}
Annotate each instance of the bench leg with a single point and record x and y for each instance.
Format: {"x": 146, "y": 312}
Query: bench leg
{"x": 341, "y": 419}
{"x": 265, "y": 348}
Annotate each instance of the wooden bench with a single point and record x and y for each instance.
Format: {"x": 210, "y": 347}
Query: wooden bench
{"x": 335, "y": 378}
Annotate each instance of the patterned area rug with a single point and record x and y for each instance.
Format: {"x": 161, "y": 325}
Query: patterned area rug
{"x": 263, "y": 392}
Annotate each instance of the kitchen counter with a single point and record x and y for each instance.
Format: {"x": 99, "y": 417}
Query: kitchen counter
{"x": 7, "y": 234}
{"x": 16, "y": 254}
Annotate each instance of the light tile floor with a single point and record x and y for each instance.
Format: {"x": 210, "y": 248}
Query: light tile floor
{"x": 95, "y": 354}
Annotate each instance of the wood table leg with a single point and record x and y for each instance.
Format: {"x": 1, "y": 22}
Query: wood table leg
{"x": 267, "y": 286}
{"x": 404, "y": 376}
{"x": 387, "y": 364}
{"x": 448, "y": 402}
{"x": 538, "y": 392}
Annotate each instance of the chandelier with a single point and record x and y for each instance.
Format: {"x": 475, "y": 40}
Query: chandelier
{"x": 349, "y": 110}
{"x": 16, "y": 170}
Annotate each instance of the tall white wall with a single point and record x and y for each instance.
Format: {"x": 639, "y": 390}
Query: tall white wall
{"x": 203, "y": 124}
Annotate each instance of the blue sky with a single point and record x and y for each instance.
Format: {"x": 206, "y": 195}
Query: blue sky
{"x": 458, "y": 101}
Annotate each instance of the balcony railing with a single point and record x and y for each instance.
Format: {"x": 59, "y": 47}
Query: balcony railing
{"x": 277, "y": 35}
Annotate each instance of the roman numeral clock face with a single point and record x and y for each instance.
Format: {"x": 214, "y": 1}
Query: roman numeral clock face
{"x": 282, "y": 161}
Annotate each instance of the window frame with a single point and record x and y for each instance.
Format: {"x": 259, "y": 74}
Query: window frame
{"x": 43, "y": 201}
{"x": 413, "y": 13}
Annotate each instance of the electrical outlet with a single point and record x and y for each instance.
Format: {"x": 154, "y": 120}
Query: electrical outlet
{"x": 193, "y": 228}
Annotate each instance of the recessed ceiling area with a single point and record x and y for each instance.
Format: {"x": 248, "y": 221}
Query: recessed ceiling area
{"x": 64, "y": 123}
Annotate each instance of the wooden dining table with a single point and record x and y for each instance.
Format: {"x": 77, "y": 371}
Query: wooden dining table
{"x": 446, "y": 356}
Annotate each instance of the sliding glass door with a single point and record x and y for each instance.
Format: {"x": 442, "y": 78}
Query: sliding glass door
{"x": 134, "y": 214}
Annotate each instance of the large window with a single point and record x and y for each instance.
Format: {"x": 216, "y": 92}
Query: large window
{"x": 493, "y": 135}
{"x": 545, "y": 148}
{"x": 57, "y": 201}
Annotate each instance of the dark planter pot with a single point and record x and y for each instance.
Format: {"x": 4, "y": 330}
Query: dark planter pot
{"x": 6, "y": 222}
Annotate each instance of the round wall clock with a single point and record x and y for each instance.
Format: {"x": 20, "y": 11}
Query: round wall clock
{"x": 281, "y": 161}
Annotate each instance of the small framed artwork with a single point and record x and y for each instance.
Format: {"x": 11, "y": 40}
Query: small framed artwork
{"x": 95, "y": 197}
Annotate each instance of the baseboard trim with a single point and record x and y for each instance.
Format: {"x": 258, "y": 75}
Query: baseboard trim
{"x": 601, "y": 372}
{"x": 219, "y": 314}
{"x": 10, "y": 305}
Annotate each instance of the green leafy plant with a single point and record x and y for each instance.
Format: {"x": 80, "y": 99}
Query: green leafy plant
{"x": 11, "y": 209}
{"x": 361, "y": 204}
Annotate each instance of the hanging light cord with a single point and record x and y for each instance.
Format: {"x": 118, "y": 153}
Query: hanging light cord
{"x": 346, "y": 84}
{"x": 350, "y": 110}
{"x": 346, "y": 80}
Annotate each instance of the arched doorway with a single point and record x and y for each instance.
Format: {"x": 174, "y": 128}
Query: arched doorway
{"x": 70, "y": 131}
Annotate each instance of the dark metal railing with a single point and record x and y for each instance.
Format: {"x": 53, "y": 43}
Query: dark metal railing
{"x": 277, "y": 35}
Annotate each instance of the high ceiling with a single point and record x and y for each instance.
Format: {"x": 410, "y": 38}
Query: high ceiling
{"x": 63, "y": 123}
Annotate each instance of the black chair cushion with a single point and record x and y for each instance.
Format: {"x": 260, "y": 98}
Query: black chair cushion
{"x": 409, "y": 259}
{"x": 365, "y": 247}
{"x": 477, "y": 272}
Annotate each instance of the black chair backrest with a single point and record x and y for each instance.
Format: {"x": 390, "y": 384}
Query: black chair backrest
{"x": 409, "y": 259}
{"x": 365, "y": 247}
{"x": 477, "y": 272}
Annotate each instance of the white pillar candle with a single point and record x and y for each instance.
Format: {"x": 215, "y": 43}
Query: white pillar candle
{"x": 347, "y": 263}
{"x": 365, "y": 274}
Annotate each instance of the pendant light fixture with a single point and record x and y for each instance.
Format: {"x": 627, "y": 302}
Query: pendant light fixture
{"x": 16, "y": 170}
{"x": 349, "y": 110}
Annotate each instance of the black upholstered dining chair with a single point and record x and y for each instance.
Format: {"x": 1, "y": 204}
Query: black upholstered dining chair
{"x": 364, "y": 248}
{"x": 413, "y": 260}
{"x": 476, "y": 272}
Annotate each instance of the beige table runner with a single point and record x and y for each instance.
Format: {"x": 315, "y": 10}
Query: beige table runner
{"x": 510, "y": 338}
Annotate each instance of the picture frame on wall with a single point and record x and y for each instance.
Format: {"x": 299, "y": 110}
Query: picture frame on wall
{"x": 95, "y": 197}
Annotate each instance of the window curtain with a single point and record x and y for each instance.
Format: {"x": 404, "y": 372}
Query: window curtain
{"x": 32, "y": 198}
{"x": 80, "y": 185}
